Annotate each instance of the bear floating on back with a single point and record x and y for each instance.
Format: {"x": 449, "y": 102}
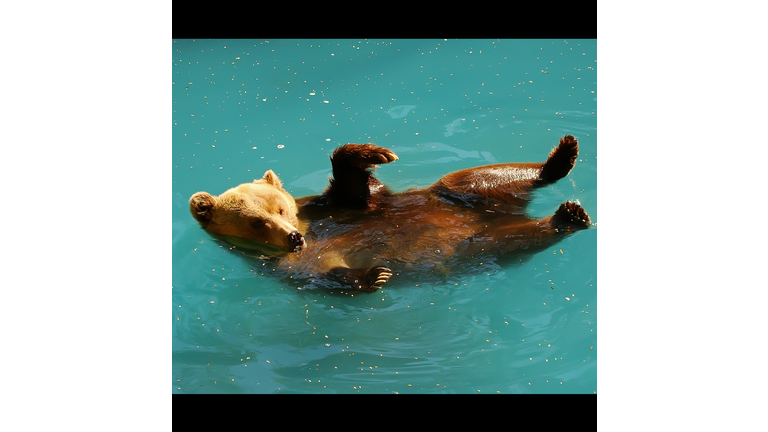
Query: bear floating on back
{"x": 358, "y": 233}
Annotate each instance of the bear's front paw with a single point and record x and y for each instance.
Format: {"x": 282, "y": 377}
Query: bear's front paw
{"x": 377, "y": 277}
{"x": 379, "y": 155}
{"x": 369, "y": 280}
{"x": 373, "y": 154}
{"x": 364, "y": 155}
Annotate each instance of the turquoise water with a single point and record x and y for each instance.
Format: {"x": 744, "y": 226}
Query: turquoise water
{"x": 241, "y": 107}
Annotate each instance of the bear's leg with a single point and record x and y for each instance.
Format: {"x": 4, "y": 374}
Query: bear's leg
{"x": 510, "y": 182}
{"x": 353, "y": 184}
{"x": 528, "y": 236}
{"x": 369, "y": 280}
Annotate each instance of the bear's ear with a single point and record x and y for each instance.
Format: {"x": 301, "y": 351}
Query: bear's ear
{"x": 201, "y": 206}
{"x": 271, "y": 178}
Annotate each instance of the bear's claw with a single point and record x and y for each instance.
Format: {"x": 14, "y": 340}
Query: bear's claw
{"x": 381, "y": 275}
{"x": 386, "y": 156}
{"x": 374, "y": 155}
{"x": 363, "y": 156}
{"x": 369, "y": 280}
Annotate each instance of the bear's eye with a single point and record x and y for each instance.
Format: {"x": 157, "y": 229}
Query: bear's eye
{"x": 282, "y": 212}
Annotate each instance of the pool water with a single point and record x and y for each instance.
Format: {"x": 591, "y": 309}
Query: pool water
{"x": 241, "y": 107}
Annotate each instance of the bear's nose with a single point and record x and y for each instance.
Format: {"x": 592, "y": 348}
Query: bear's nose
{"x": 296, "y": 240}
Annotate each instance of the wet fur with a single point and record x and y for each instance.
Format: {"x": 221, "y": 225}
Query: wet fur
{"x": 359, "y": 233}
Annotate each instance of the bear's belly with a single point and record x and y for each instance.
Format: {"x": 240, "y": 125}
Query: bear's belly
{"x": 416, "y": 233}
{"x": 403, "y": 240}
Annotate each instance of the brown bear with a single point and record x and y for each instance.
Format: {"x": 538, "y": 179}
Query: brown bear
{"x": 359, "y": 233}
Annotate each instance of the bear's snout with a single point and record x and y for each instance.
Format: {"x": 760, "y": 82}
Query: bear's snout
{"x": 296, "y": 240}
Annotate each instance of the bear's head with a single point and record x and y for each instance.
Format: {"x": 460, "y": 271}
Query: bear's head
{"x": 259, "y": 215}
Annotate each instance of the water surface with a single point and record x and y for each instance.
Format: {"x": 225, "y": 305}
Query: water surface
{"x": 241, "y": 107}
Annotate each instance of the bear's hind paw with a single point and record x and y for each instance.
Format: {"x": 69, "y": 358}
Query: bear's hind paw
{"x": 561, "y": 160}
{"x": 571, "y": 215}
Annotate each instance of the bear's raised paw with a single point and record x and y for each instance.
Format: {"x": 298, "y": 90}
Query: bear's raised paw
{"x": 363, "y": 156}
{"x": 561, "y": 160}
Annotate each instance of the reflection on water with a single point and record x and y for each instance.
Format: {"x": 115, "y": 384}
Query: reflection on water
{"x": 400, "y": 111}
